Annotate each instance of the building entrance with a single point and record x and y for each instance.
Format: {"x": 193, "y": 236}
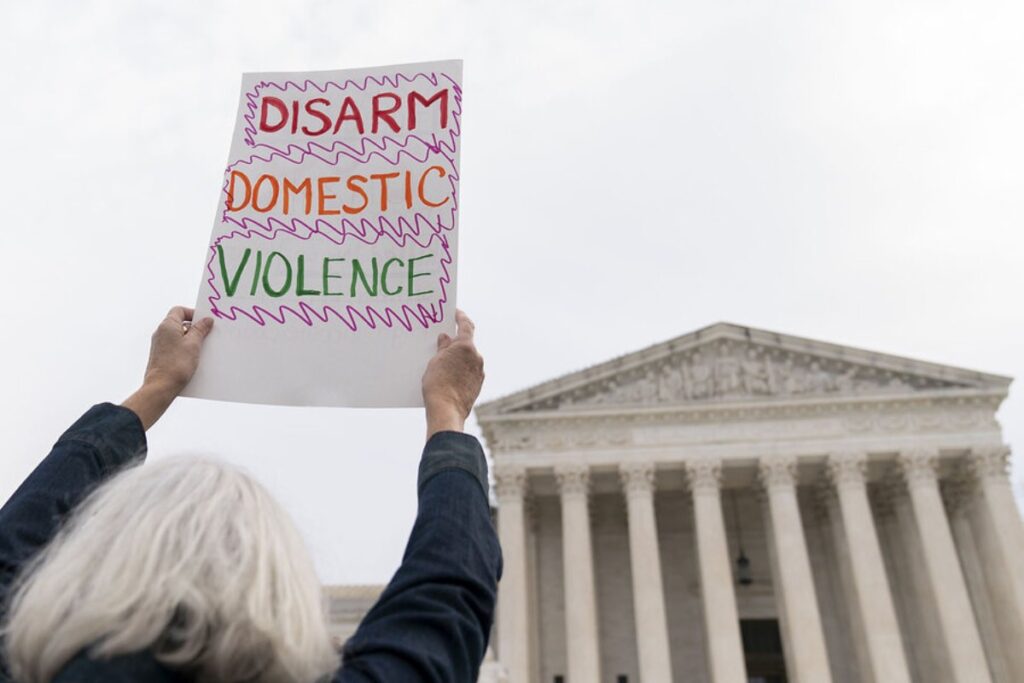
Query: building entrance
{"x": 762, "y": 651}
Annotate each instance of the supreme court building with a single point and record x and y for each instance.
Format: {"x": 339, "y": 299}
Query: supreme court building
{"x": 737, "y": 505}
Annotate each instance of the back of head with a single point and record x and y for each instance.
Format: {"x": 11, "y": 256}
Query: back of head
{"x": 187, "y": 558}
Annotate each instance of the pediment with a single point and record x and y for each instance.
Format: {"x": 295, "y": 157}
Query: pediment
{"x": 728, "y": 363}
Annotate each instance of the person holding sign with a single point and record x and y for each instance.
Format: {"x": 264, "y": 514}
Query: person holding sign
{"x": 188, "y": 570}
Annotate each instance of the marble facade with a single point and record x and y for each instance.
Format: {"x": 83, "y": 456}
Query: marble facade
{"x": 868, "y": 492}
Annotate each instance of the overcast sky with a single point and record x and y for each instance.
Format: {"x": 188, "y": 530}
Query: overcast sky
{"x": 632, "y": 171}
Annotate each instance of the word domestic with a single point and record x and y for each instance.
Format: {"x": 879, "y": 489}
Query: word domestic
{"x": 333, "y": 194}
{"x": 322, "y": 115}
{"x": 276, "y": 275}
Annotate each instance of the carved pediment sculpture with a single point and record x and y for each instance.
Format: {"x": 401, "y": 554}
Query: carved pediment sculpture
{"x": 727, "y": 363}
{"x": 727, "y": 370}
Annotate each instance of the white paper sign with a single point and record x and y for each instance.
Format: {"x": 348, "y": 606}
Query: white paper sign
{"x": 332, "y": 264}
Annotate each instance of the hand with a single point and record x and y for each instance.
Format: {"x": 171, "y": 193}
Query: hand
{"x": 453, "y": 379}
{"x": 173, "y": 359}
{"x": 174, "y": 350}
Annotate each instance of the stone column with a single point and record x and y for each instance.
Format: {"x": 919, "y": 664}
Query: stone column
{"x": 803, "y": 634}
{"x": 721, "y": 620}
{"x": 942, "y": 567}
{"x": 581, "y": 637}
{"x": 880, "y": 629}
{"x": 925, "y": 643}
{"x": 513, "y": 596}
{"x": 1001, "y": 533}
{"x": 645, "y": 564}
{"x": 958, "y": 494}
{"x": 852, "y": 644}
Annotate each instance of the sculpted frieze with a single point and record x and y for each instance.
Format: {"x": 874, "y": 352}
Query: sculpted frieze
{"x": 730, "y": 370}
{"x": 922, "y": 421}
{"x": 764, "y": 423}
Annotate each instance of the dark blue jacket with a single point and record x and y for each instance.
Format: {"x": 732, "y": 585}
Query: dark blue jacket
{"x": 431, "y": 623}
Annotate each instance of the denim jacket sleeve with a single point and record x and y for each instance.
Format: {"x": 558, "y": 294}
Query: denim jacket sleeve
{"x": 92, "y": 449}
{"x": 433, "y": 620}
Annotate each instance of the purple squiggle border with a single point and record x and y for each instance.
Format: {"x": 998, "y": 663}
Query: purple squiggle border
{"x": 370, "y": 315}
{"x": 400, "y": 231}
{"x": 454, "y": 130}
{"x": 453, "y": 175}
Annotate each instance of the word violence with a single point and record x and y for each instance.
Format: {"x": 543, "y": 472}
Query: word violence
{"x": 275, "y": 274}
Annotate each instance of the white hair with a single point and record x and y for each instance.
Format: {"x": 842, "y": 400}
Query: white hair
{"x": 189, "y": 559}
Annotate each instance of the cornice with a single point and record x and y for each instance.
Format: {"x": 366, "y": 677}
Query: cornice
{"x": 970, "y": 421}
{"x": 802, "y": 407}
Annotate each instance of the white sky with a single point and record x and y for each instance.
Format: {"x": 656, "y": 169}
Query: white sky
{"x": 632, "y": 171}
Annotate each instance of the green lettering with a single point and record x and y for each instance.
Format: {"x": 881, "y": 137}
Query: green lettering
{"x": 231, "y": 284}
{"x": 287, "y": 278}
{"x": 359, "y": 274}
{"x": 413, "y": 275}
{"x": 301, "y": 287}
{"x": 256, "y": 273}
{"x": 384, "y": 277}
{"x": 328, "y": 277}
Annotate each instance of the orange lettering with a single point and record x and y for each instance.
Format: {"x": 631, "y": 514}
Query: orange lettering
{"x": 423, "y": 180}
{"x": 256, "y": 192}
{"x": 351, "y": 184}
{"x": 320, "y": 182}
{"x": 384, "y": 178}
{"x": 305, "y": 185}
{"x": 231, "y": 191}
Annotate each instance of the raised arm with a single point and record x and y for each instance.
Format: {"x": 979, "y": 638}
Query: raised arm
{"x": 434, "y": 618}
{"x": 96, "y": 446}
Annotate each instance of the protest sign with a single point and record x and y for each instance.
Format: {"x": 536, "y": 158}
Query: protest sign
{"x": 331, "y": 268}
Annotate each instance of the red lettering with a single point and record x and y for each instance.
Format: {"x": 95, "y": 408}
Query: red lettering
{"x": 415, "y": 97}
{"x": 386, "y": 114}
{"x": 350, "y": 112}
{"x": 325, "y": 120}
{"x": 264, "y": 111}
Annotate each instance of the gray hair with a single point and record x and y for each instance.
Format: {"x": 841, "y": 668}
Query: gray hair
{"x": 188, "y": 558}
